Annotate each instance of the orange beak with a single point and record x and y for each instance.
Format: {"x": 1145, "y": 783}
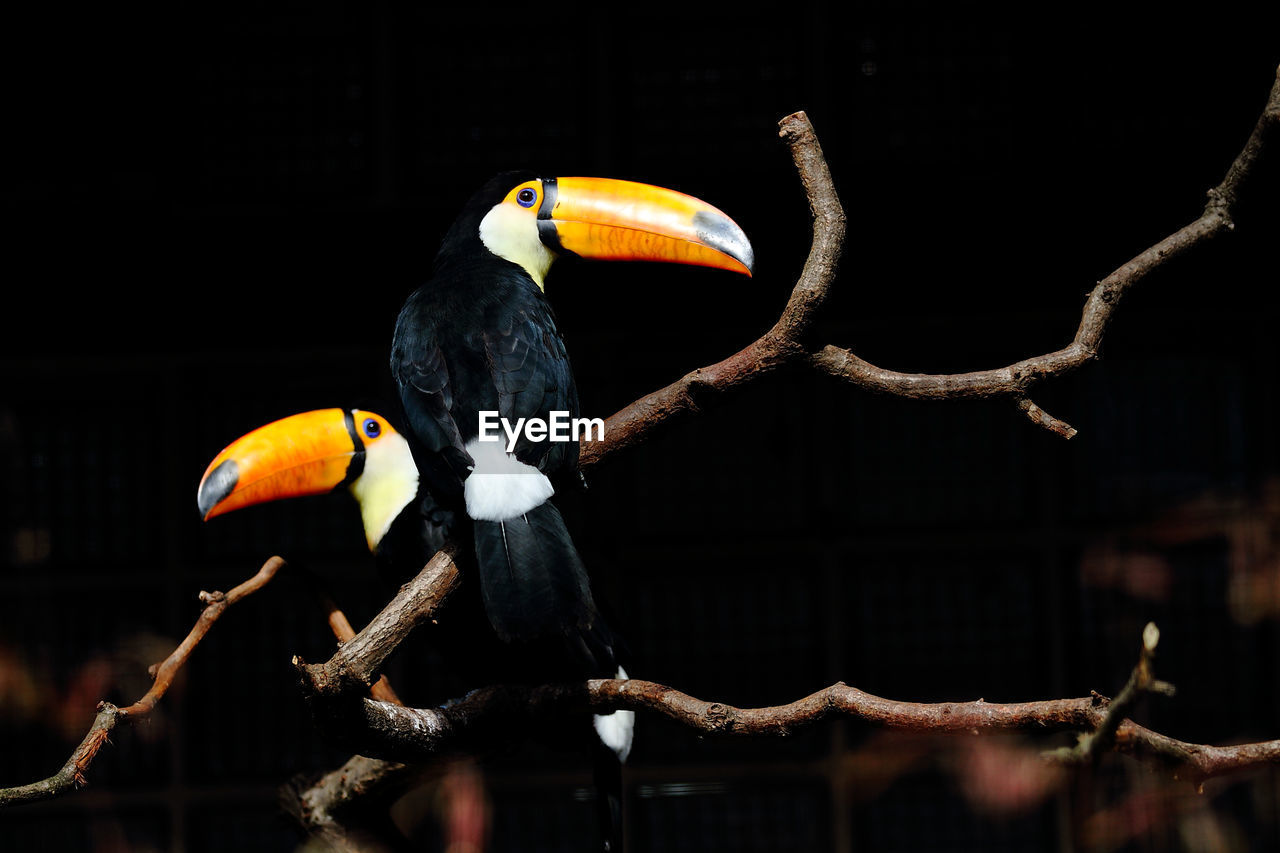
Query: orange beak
{"x": 307, "y": 454}
{"x": 627, "y": 221}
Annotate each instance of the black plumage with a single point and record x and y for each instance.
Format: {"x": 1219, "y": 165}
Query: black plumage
{"x": 481, "y": 336}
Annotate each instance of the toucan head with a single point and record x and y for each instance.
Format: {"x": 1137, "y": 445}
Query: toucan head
{"x": 530, "y": 221}
{"x": 313, "y": 453}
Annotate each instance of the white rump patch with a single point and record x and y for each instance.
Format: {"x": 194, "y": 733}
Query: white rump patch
{"x": 500, "y": 486}
{"x": 617, "y": 730}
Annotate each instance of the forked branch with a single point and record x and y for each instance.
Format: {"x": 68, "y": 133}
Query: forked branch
{"x": 787, "y": 343}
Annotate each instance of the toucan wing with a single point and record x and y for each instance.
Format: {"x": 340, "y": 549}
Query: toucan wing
{"x": 496, "y": 351}
{"x": 532, "y": 377}
{"x": 532, "y": 578}
{"x": 422, "y": 371}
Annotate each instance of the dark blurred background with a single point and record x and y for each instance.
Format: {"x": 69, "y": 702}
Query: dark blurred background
{"x": 215, "y": 212}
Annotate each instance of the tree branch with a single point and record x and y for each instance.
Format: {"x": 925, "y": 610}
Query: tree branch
{"x": 109, "y": 716}
{"x": 356, "y": 664}
{"x": 785, "y": 343}
{"x": 346, "y": 808}
{"x": 72, "y": 774}
{"x": 342, "y": 631}
{"x": 496, "y": 714}
{"x": 780, "y": 345}
{"x": 1141, "y": 682}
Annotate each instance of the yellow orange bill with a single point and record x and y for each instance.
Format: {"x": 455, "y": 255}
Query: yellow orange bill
{"x": 305, "y": 454}
{"x": 624, "y": 220}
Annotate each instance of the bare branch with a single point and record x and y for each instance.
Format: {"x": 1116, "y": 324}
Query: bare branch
{"x": 474, "y": 722}
{"x": 828, "y": 230}
{"x": 778, "y": 346}
{"x": 109, "y": 716}
{"x": 785, "y": 343}
{"x": 346, "y": 808}
{"x": 487, "y": 718}
{"x": 356, "y": 664}
{"x": 1042, "y": 418}
{"x": 1224, "y": 195}
{"x": 344, "y": 633}
{"x": 1141, "y": 681}
{"x": 1015, "y": 379}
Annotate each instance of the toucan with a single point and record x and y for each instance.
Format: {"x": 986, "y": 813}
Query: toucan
{"x": 478, "y": 343}
{"x": 361, "y": 452}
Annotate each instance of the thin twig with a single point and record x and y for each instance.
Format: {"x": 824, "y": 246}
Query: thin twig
{"x": 1141, "y": 681}
{"x": 346, "y": 808}
{"x": 72, "y": 774}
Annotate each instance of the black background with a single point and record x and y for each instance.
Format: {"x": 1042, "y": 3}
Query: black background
{"x": 215, "y": 213}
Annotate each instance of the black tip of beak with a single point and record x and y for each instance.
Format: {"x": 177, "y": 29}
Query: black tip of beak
{"x": 215, "y": 488}
{"x": 723, "y": 234}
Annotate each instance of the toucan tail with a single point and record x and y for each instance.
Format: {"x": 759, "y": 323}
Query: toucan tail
{"x": 607, "y": 773}
{"x": 531, "y": 578}
{"x": 609, "y": 749}
{"x": 535, "y": 588}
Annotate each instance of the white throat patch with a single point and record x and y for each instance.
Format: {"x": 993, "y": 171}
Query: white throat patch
{"x": 387, "y": 484}
{"x": 512, "y": 234}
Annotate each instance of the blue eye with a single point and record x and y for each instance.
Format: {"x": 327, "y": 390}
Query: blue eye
{"x": 526, "y": 197}
{"x": 371, "y": 428}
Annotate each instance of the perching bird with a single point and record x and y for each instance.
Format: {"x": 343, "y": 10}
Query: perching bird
{"x": 321, "y": 451}
{"x": 479, "y": 340}
{"x": 480, "y": 337}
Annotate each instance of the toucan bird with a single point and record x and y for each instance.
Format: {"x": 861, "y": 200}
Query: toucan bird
{"x": 479, "y": 337}
{"x": 331, "y": 449}
{"x": 479, "y": 340}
